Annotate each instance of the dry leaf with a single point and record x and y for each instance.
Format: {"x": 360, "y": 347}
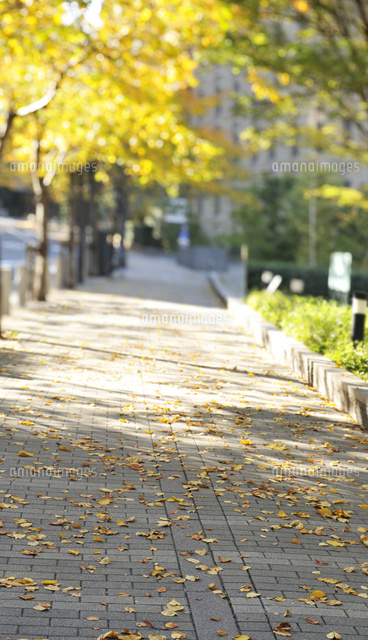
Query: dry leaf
{"x": 42, "y": 606}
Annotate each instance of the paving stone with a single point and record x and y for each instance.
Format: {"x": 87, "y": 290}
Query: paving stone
{"x": 87, "y": 360}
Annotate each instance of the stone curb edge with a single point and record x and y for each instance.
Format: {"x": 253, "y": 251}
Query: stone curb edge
{"x": 345, "y": 390}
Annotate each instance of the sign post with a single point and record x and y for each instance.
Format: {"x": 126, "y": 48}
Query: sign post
{"x": 339, "y": 276}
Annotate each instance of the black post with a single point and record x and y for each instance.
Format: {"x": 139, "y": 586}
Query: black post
{"x": 359, "y": 313}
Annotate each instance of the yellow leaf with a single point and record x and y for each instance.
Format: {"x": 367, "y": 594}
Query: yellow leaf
{"x": 317, "y": 594}
{"x": 25, "y": 454}
{"x": 301, "y": 5}
{"x": 325, "y": 512}
{"x": 169, "y": 612}
{"x": 42, "y": 606}
{"x": 74, "y": 552}
{"x": 364, "y": 539}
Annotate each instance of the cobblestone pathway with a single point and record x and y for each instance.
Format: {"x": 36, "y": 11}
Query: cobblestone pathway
{"x": 163, "y": 477}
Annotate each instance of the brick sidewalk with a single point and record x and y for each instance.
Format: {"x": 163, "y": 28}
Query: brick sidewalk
{"x": 156, "y": 467}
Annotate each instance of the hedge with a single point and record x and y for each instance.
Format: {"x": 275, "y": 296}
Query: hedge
{"x": 323, "y": 326}
{"x": 315, "y": 278}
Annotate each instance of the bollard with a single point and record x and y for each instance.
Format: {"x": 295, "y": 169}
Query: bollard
{"x": 6, "y": 285}
{"x": 21, "y": 283}
{"x": 244, "y": 258}
{"x": 359, "y": 311}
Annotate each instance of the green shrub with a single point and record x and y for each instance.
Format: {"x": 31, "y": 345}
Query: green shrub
{"x": 323, "y": 326}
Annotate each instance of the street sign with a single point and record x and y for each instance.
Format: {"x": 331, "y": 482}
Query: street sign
{"x": 339, "y": 274}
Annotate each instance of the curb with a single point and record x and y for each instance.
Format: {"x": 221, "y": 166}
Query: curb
{"x": 346, "y": 391}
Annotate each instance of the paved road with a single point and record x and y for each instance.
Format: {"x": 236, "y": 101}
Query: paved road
{"x": 159, "y": 469}
{"x": 14, "y": 240}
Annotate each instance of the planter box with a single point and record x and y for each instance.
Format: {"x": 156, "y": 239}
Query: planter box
{"x": 203, "y": 258}
{"x": 346, "y": 391}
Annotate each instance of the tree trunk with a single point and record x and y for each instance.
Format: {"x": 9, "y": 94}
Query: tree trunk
{"x": 122, "y": 209}
{"x": 42, "y": 216}
{"x": 81, "y": 219}
{"x": 40, "y": 191}
{"x": 5, "y": 130}
{"x": 94, "y": 225}
{"x": 72, "y": 218}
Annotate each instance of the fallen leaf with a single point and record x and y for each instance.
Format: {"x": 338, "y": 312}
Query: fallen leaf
{"x": 42, "y": 606}
{"x": 311, "y": 621}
